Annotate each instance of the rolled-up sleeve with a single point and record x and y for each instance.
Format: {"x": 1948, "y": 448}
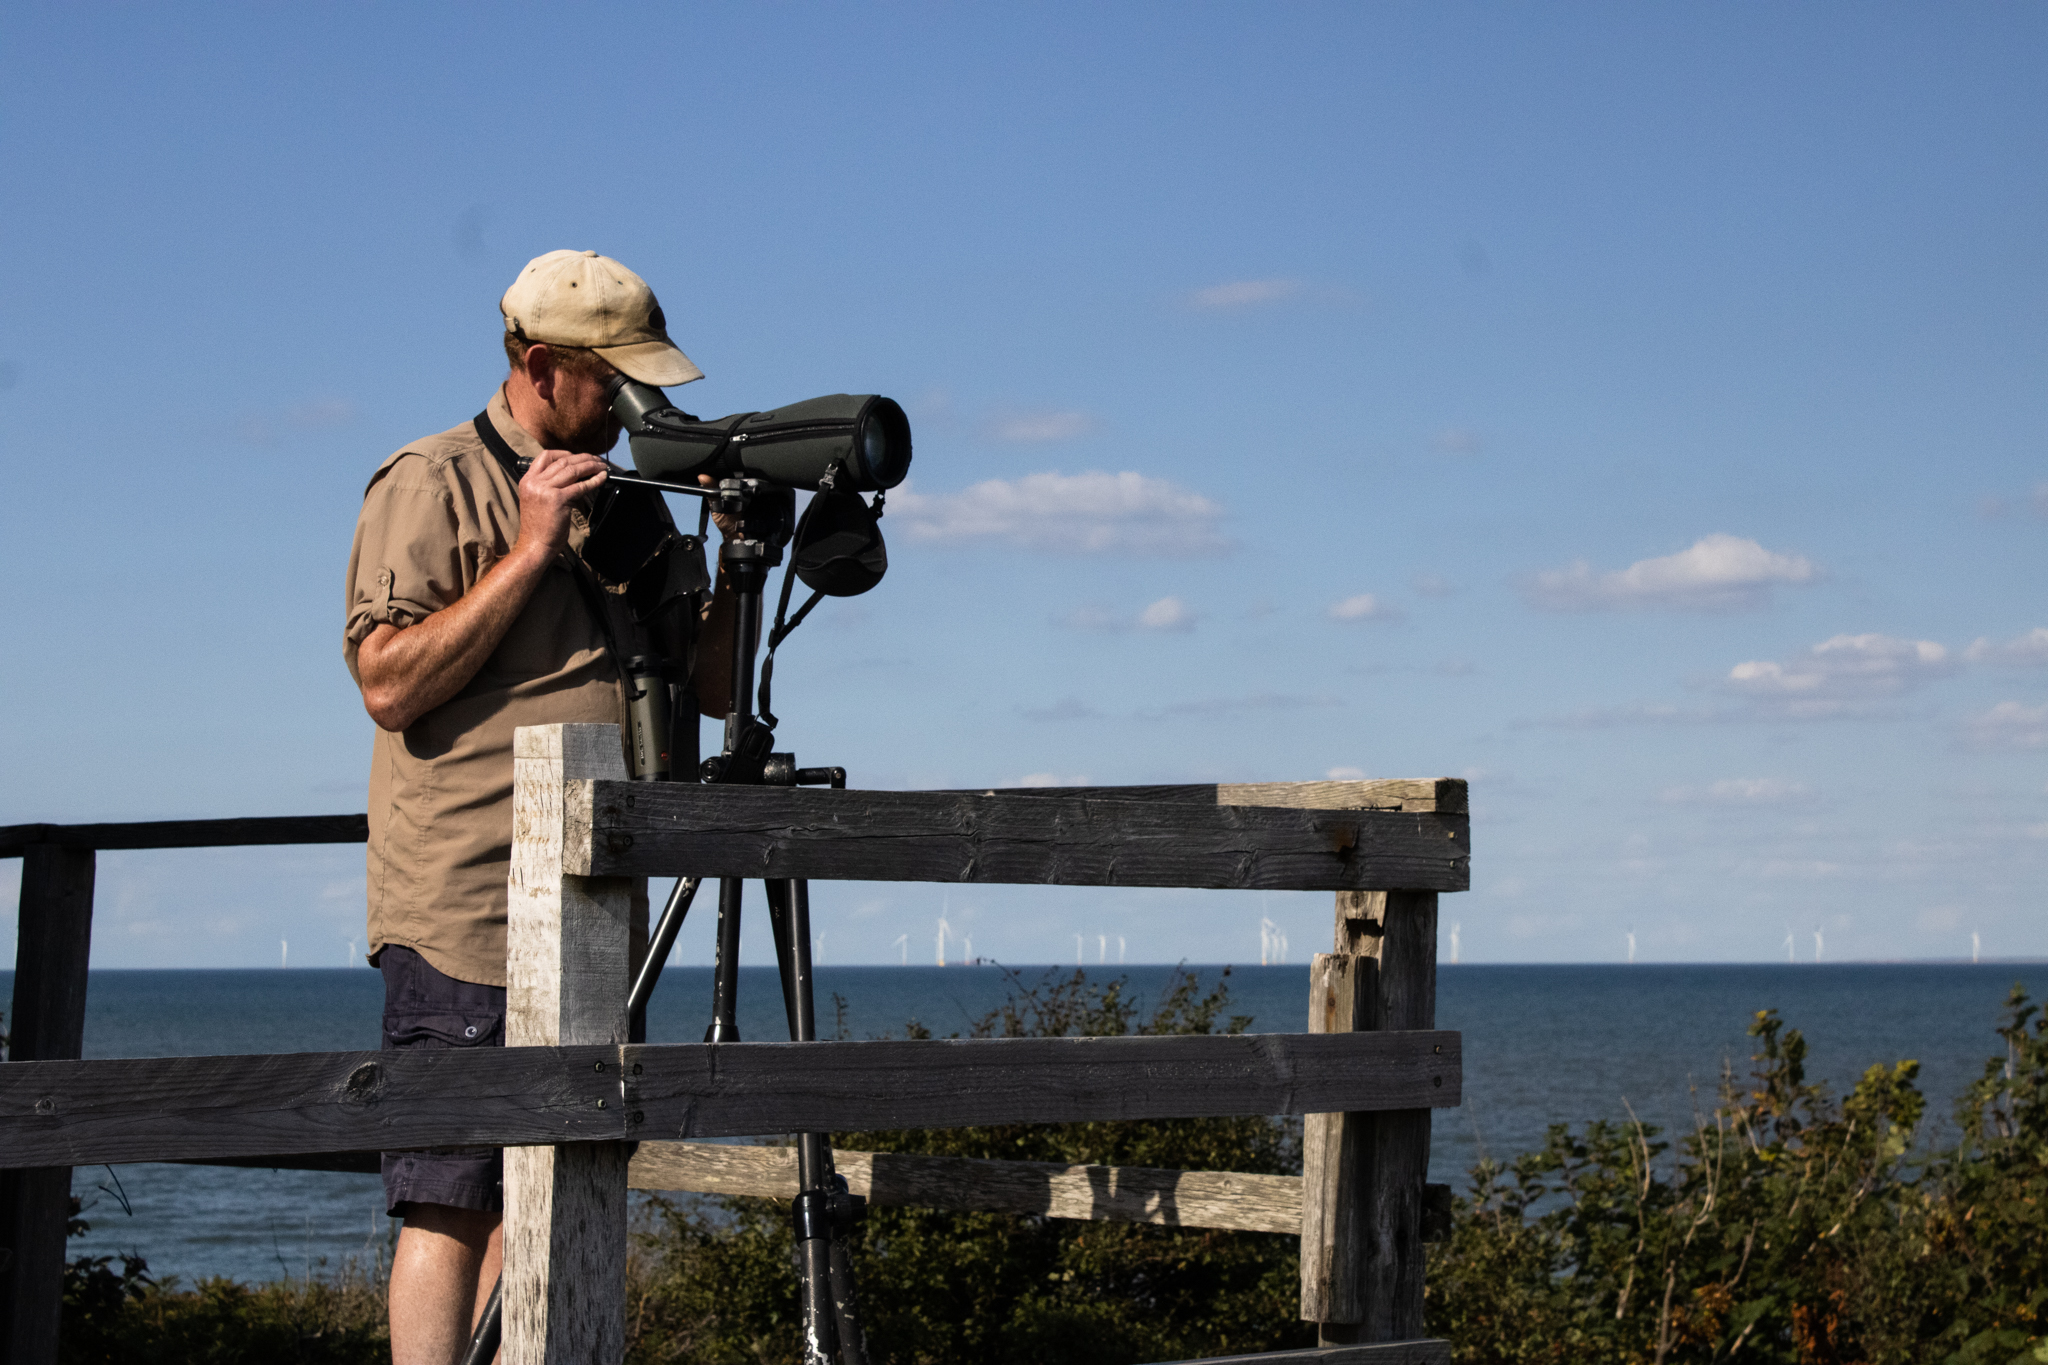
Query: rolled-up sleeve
{"x": 409, "y": 557}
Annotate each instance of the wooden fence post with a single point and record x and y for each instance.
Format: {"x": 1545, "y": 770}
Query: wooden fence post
{"x": 1363, "y": 1174}
{"x": 47, "y": 1023}
{"x": 567, "y": 959}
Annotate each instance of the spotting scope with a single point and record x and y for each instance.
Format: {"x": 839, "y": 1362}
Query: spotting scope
{"x": 863, "y": 434}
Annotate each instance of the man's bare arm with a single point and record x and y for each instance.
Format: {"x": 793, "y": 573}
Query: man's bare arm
{"x": 407, "y": 673}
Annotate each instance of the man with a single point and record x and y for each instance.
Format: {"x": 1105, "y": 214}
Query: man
{"x": 474, "y": 608}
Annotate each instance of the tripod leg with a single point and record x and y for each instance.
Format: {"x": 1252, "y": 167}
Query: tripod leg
{"x": 853, "y": 1342}
{"x": 658, "y": 948}
{"x": 814, "y": 1261}
{"x": 831, "y": 1307}
{"x": 778, "y": 921}
{"x": 725, "y": 989}
{"x": 483, "y": 1343}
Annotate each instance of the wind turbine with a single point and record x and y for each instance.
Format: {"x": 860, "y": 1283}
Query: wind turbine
{"x": 944, "y": 929}
{"x": 1101, "y": 949}
{"x": 903, "y": 942}
{"x": 1631, "y": 945}
{"x": 284, "y": 953}
{"x": 1455, "y": 927}
{"x": 1119, "y": 950}
{"x": 1816, "y": 943}
{"x": 1790, "y": 954}
{"x": 1975, "y": 944}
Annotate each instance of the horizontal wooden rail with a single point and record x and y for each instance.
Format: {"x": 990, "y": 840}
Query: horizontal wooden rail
{"x": 1421, "y": 1351}
{"x": 1446, "y": 794}
{"x": 186, "y": 1108}
{"x": 262, "y": 829}
{"x": 614, "y": 828}
{"x": 1123, "y": 1194}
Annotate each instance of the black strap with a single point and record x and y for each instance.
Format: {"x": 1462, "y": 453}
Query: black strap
{"x": 780, "y": 632}
{"x": 593, "y": 596}
{"x": 776, "y": 636}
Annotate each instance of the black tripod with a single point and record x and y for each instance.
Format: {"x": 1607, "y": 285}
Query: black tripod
{"x": 824, "y": 1213}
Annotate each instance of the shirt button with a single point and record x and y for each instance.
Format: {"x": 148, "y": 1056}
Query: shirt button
{"x": 469, "y": 1032}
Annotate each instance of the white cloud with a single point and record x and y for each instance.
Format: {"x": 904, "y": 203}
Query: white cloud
{"x": 1168, "y": 613}
{"x": 1066, "y": 708}
{"x": 1091, "y": 513}
{"x": 1838, "y": 673}
{"x": 1033, "y": 428}
{"x": 275, "y": 426}
{"x": 1433, "y": 585}
{"x": 2024, "y": 651}
{"x": 2009, "y": 725}
{"x": 1739, "y": 791}
{"x": 1363, "y": 607}
{"x": 1257, "y": 701}
{"x": 1457, "y": 441}
{"x": 1046, "y": 780}
{"x": 1244, "y": 294}
{"x": 1346, "y": 774}
{"x": 1718, "y": 573}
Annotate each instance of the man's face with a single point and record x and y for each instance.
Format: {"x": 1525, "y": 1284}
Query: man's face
{"x": 582, "y": 417}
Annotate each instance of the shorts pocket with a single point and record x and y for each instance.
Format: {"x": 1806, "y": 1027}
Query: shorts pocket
{"x": 444, "y": 1028}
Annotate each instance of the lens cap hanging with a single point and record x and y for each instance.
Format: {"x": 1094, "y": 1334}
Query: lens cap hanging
{"x": 838, "y": 547}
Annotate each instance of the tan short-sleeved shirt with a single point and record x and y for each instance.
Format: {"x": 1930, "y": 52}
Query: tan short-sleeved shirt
{"x": 436, "y": 516}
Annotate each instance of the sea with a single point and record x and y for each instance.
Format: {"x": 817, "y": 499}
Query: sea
{"x": 1543, "y": 1045}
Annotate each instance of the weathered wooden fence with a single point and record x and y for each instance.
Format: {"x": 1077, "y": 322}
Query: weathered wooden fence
{"x": 570, "y": 1095}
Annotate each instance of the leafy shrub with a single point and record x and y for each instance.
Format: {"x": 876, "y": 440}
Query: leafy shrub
{"x": 714, "y": 1283}
{"x": 1790, "y": 1228}
{"x": 127, "y": 1318}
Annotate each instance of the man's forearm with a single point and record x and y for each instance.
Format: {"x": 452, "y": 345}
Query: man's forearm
{"x": 407, "y": 673}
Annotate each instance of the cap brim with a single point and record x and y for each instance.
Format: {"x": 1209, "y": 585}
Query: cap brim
{"x": 651, "y": 362}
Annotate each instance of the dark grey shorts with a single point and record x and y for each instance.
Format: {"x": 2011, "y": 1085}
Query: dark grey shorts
{"x": 425, "y": 1009}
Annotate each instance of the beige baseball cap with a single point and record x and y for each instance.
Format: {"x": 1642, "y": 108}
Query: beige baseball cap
{"x": 579, "y": 298}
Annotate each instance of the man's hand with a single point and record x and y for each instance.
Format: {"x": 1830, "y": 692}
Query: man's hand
{"x": 553, "y": 484}
{"x": 728, "y": 525}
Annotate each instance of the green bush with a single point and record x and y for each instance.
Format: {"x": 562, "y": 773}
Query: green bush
{"x": 1787, "y": 1227}
{"x": 1790, "y": 1228}
{"x": 125, "y": 1317}
{"x": 714, "y": 1283}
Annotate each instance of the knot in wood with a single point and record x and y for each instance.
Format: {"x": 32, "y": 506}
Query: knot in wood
{"x": 617, "y": 841}
{"x": 46, "y": 1105}
{"x": 365, "y": 1085}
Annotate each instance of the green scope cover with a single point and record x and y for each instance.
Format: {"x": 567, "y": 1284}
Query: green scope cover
{"x": 866, "y": 434}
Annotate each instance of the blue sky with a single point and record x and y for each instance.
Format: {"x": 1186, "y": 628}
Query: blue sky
{"x": 1637, "y": 410}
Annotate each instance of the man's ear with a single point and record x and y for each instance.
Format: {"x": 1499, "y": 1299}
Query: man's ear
{"x": 540, "y": 371}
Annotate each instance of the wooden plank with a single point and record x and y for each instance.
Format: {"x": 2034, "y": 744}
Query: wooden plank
{"x": 1125, "y": 1194}
{"x": 1420, "y": 1351}
{"x": 737, "y": 1090}
{"x": 1445, "y": 794}
{"x": 199, "y": 1108}
{"x": 568, "y": 950}
{"x": 279, "y": 1104}
{"x": 1364, "y": 1174}
{"x": 267, "y": 829}
{"x": 47, "y": 1023}
{"x": 665, "y": 828}
{"x": 1332, "y": 1237}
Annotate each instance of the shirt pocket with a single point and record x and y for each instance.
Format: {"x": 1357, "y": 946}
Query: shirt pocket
{"x": 444, "y": 1028}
